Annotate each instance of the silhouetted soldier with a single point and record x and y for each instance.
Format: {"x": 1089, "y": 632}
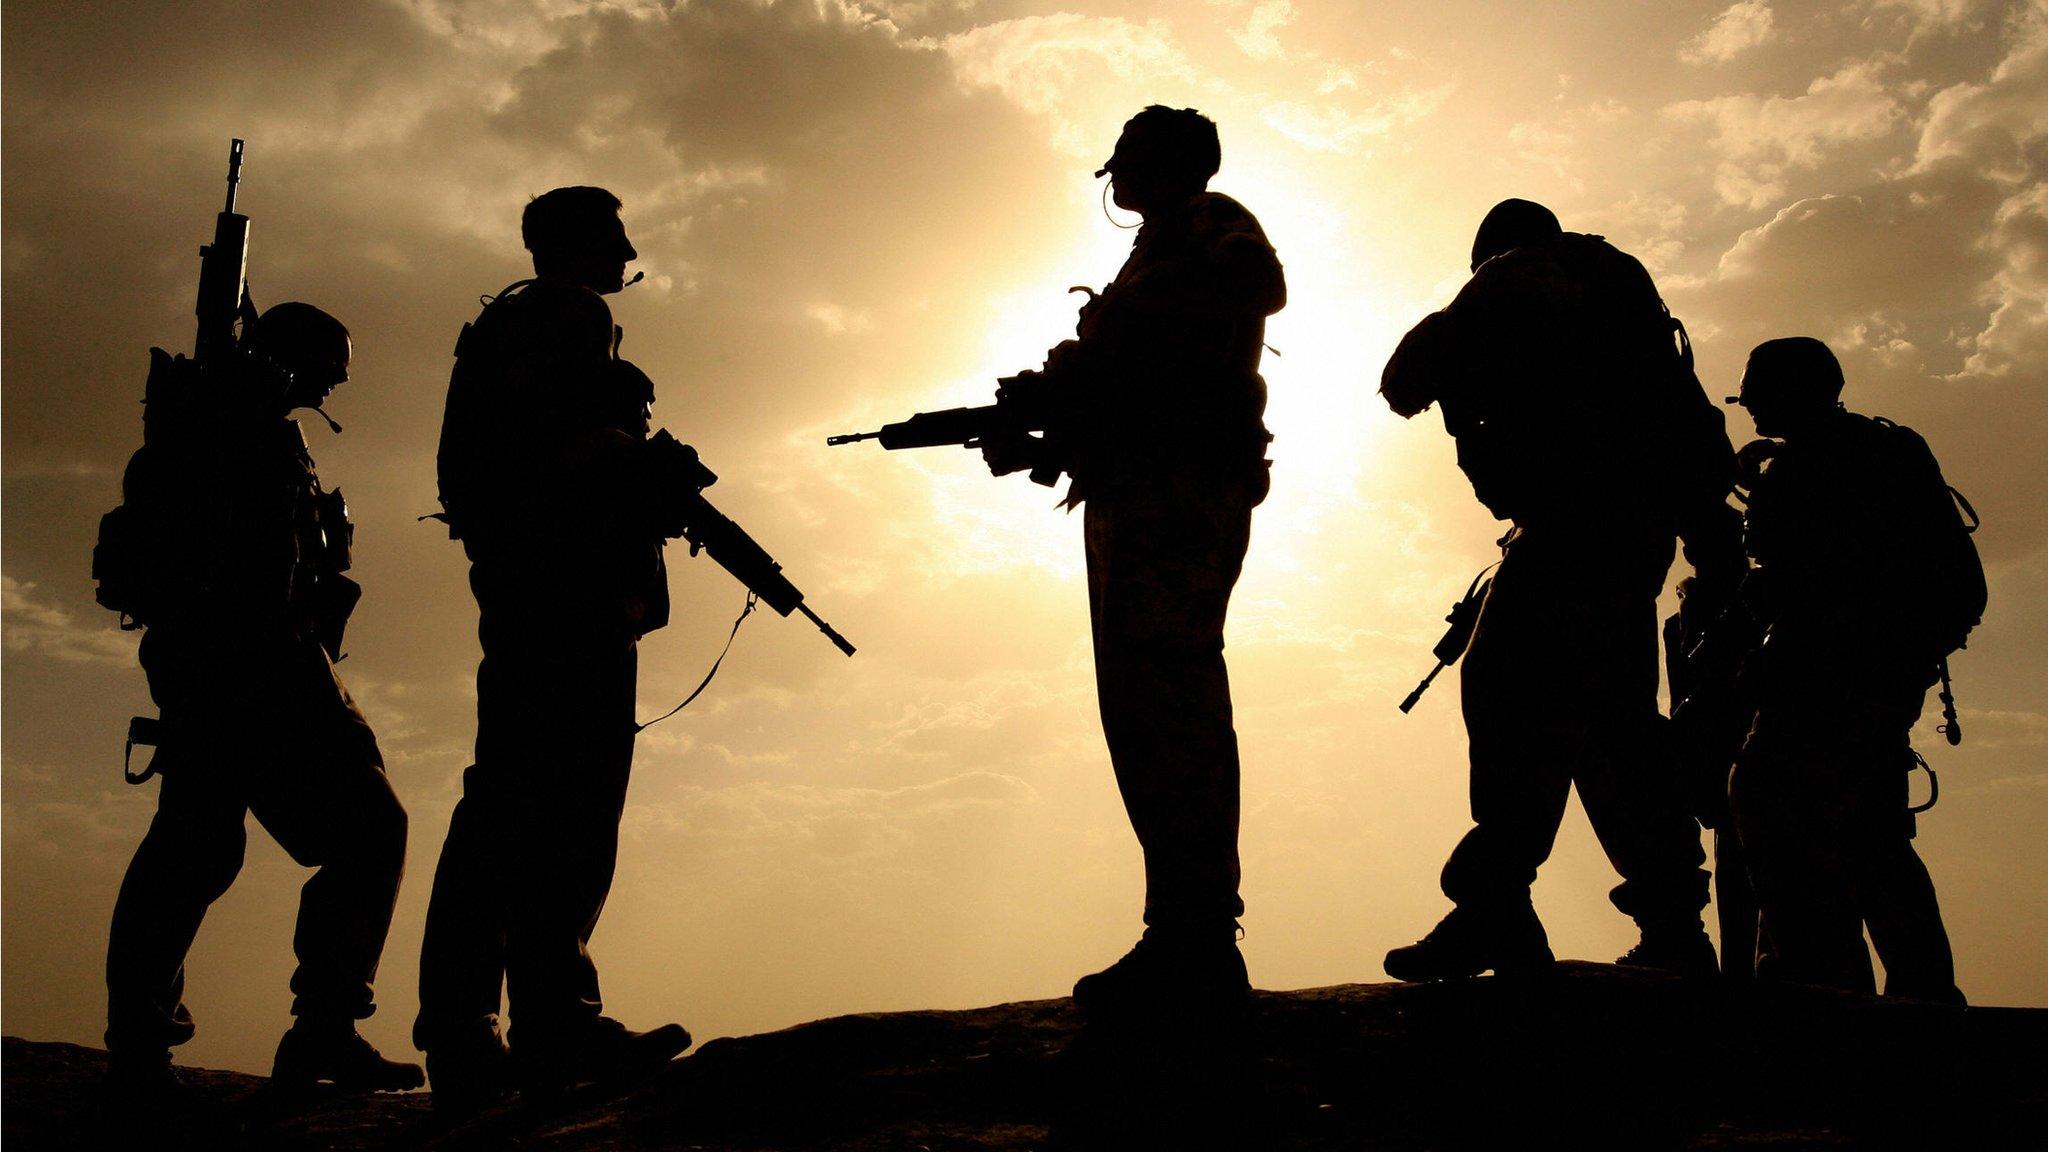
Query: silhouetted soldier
{"x": 1577, "y": 416}
{"x": 237, "y": 558}
{"x": 541, "y": 473}
{"x": 1866, "y": 581}
{"x": 1163, "y": 435}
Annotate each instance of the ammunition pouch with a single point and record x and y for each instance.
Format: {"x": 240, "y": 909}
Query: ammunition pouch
{"x": 323, "y": 597}
{"x": 121, "y": 568}
{"x": 146, "y": 731}
{"x": 332, "y": 602}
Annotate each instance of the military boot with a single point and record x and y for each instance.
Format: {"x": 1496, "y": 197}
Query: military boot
{"x": 139, "y": 1077}
{"x": 602, "y": 1052}
{"x": 1509, "y": 941}
{"x": 471, "y": 1075}
{"x": 1170, "y": 970}
{"x": 332, "y": 1052}
{"x": 1681, "y": 949}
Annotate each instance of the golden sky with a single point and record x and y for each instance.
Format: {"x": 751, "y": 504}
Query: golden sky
{"x": 849, "y": 211}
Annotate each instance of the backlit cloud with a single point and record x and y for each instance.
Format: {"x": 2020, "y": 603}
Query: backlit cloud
{"x": 1739, "y": 28}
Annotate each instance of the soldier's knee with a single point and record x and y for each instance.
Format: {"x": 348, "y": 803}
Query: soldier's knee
{"x": 386, "y": 826}
{"x": 210, "y": 858}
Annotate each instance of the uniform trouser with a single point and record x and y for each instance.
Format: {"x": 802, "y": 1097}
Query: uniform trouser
{"x": 533, "y": 842}
{"x": 1820, "y": 798}
{"x": 276, "y": 735}
{"x": 1560, "y": 688}
{"x": 1161, "y": 565}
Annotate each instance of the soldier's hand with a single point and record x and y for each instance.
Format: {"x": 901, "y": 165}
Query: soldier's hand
{"x": 1007, "y": 454}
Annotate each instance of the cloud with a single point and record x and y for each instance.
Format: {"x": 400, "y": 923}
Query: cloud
{"x": 38, "y": 627}
{"x": 1037, "y": 61}
{"x": 1331, "y": 127}
{"x": 839, "y": 320}
{"x": 1257, "y": 39}
{"x": 1762, "y": 138}
{"x": 1739, "y": 28}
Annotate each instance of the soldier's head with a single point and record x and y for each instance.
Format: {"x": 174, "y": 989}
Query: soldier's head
{"x": 575, "y": 234}
{"x": 1164, "y": 156}
{"x": 310, "y": 346}
{"x": 1790, "y": 385}
{"x": 1511, "y": 224}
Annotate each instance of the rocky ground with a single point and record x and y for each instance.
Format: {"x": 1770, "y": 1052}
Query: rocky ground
{"x": 1591, "y": 1057}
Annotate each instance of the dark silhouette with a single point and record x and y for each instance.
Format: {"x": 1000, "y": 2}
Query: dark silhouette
{"x": 1866, "y": 579}
{"x": 1155, "y": 409}
{"x": 231, "y": 555}
{"x": 1569, "y": 389}
{"x": 547, "y": 481}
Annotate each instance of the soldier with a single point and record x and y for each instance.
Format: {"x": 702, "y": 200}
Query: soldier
{"x": 541, "y": 465}
{"x": 1163, "y": 435}
{"x": 241, "y": 555}
{"x": 1866, "y": 580}
{"x": 1577, "y": 416}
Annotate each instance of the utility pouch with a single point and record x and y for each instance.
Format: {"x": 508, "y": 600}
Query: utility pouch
{"x": 337, "y": 535}
{"x": 148, "y": 732}
{"x": 118, "y": 566}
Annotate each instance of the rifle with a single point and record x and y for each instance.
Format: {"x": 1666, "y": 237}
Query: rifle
{"x": 1463, "y": 618}
{"x": 1021, "y": 408}
{"x": 680, "y": 479}
{"x": 1711, "y": 705}
{"x": 223, "y": 274}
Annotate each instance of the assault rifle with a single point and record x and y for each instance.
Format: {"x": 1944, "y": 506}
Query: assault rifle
{"x": 223, "y": 274}
{"x": 1463, "y": 618}
{"x": 681, "y": 478}
{"x": 1022, "y": 407}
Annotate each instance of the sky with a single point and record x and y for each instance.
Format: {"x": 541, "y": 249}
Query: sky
{"x": 850, "y": 211}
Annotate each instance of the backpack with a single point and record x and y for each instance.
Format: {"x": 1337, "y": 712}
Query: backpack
{"x": 1943, "y": 525}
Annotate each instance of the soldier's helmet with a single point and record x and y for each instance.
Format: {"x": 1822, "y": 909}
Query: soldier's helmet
{"x": 1178, "y": 146}
{"x": 311, "y": 347}
{"x": 1794, "y": 374}
{"x": 1511, "y": 224}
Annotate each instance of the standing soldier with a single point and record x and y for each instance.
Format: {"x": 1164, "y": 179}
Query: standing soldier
{"x": 542, "y": 463}
{"x": 230, "y": 553}
{"x": 1161, "y": 428}
{"x": 1866, "y": 579}
{"x": 1569, "y": 390}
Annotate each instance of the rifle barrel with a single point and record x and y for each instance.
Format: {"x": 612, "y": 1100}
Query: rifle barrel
{"x": 1415, "y": 697}
{"x": 234, "y": 172}
{"x": 830, "y": 632}
{"x": 851, "y": 438}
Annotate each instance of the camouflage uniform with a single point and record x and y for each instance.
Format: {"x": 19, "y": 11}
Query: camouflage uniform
{"x": 1168, "y": 452}
{"x": 254, "y": 720}
{"x": 1820, "y": 792}
{"x": 1573, "y": 419}
{"x": 539, "y": 467}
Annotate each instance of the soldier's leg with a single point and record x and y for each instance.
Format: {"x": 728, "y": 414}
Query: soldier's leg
{"x": 1628, "y": 773}
{"x": 1522, "y": 748}
{"x": 331, "y": 807}
{"x": 462, "y": 953}
{"x": 561, "y": 725}
{"x": 1786, "y": 800}
{"x": 1894, "y": 891}
{"x": 189, "y": 857}
{"x": 1160, "y": 577}
{"x": 1735, "y": 907}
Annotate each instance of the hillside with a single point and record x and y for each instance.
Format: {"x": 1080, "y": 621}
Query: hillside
{"x": 1594, "y": 1056}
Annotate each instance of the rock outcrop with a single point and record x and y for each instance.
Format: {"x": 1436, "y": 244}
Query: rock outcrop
{"x": 1591, "y": 1057}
